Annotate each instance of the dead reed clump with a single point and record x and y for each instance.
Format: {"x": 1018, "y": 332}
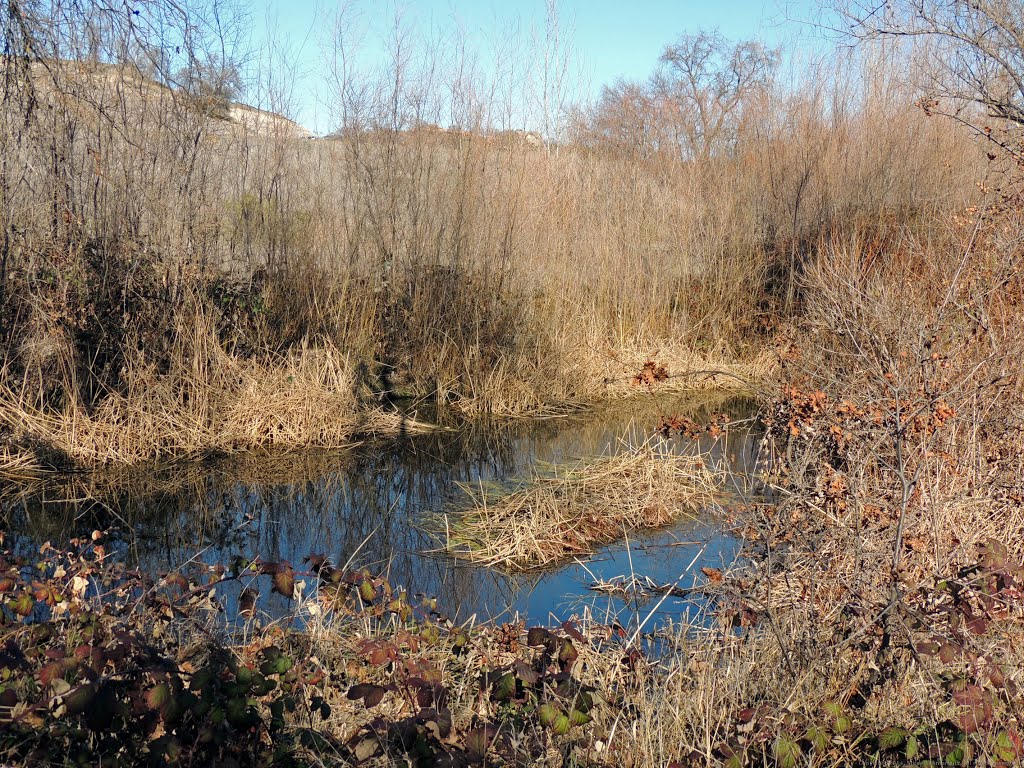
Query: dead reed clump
{"x": 16, "y": 463}
{"x": 572, "y": 513}
{"x": 209, "y": 402}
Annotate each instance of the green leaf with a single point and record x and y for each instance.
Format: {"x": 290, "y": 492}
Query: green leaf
{"x": 578, "y": 718}
{"x": 23, "y": 604}
{"x": 170, "y": 747}
{"x": 913, "y": 747}
{"x": 202, "y": 679}
{"x": 568, "y": 653}
{"x": 560, "y": 726}
{"x": 430, "y": 634}
{"x": 818, "y": 738}
{"x": 239, "y": 714}
{"x": 244, "y": 675}
{"x": 505, "y": 687}
{"x": 584, "y": 701}
{"x": 787, "y": 751}
{"x": 174, "y": 709}
{"x": 546, "y": 714}
{"x": 892, "y": 738}
{"x": 367, "y": 591}
{"x": 277, "y": 712}
{"x": 158, "y": 696}
{"x": 1004, "y": 748}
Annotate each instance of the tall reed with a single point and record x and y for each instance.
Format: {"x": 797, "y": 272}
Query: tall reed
{"x": 479, "y": 264}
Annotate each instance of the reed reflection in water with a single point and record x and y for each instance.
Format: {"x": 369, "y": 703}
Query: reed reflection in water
{"x": 374, "y": 506}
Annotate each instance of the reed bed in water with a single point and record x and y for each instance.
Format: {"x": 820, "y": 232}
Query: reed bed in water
{"x": 15, "y": 464}
{"x": 574, "y": 512}
{"x": 214, "y": 404}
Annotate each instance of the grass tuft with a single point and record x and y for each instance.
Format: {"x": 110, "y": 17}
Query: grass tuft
{"x": 580, "y": 509}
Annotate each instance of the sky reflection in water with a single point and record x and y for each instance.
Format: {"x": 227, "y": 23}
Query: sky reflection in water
{"x": 372, "y": 504}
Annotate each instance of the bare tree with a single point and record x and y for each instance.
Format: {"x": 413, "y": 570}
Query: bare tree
{"x": 703, "y": 84}
{"x": 215, "y": 69}
{"x": 82, "y": 129}
{"x": 219, "y": 83}
{"x": 625, "y": 117}
{"x": 974, "y": 50}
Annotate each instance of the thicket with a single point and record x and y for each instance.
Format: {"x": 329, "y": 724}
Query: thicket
{"x": 163, "y": 247}
{"x": 162, "y": 257}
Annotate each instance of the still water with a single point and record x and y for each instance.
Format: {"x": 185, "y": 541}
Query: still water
{"x": 378, "y": 505}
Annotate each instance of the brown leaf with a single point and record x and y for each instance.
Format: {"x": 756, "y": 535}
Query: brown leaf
{"x": 176, "y": 579}
{"x": 574, "y": 633}
{"x": 374, "y": 697}
{"x": 978, "y": 708}
{"x": 51, "y": 672}
{"x": 247, "y": 602}
{"x": 714, "y": 575}
{"x": 927, "y": 648}
{"x": 371, "y": 694}
{"x": 284, "y": 582}
{"x": 537, "y": 636}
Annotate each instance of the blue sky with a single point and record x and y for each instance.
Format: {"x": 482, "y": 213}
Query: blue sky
{"x": 611, "y": 38}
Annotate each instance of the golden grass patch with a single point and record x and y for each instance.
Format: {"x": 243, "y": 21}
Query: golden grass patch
{"x": 579, "y": 509}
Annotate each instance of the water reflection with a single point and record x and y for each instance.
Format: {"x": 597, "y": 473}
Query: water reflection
{"x": 373, "y": 504}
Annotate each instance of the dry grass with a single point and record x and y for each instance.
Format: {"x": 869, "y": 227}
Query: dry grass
{"x": 895, "y": 453}
{"x": 867, "y": 462}
{"x": 888, "y": 524}
{"x": 500, "y": 276}
{"x": 601, "y": 374}
{"x": 221, "y": 404}
{"x": 580, "y": 509}
{"x": 17, "y": 464}
{"x": 509, "y": 278}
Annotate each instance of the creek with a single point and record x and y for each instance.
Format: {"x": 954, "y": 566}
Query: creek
{"x": 381, "y": 504}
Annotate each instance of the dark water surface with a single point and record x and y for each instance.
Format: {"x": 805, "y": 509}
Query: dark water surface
{"x": 374, "y": 505}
